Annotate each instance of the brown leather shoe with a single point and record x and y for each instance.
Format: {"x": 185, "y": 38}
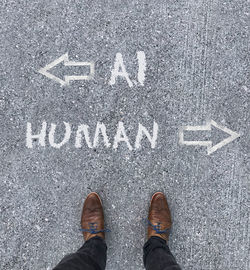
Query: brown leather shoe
{"x": 159, "y": 217}
{"x": 92, "y": 221}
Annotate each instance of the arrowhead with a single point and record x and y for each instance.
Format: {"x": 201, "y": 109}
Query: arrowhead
{"x": 232, "y": 136}
{"x": 44, "y": 71}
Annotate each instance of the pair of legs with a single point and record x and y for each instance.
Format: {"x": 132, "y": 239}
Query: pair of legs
{"x": 93, "y": 254}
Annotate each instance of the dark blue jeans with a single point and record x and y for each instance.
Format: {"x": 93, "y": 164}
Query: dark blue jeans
{"x": 93, "y": 254}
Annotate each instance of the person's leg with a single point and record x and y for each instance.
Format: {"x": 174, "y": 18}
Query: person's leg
{"x": 156, "y": 253}
{"x": 93, "y": 254}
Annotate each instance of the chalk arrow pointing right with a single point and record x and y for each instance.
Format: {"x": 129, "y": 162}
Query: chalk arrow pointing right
{"x": 208, "y": 144}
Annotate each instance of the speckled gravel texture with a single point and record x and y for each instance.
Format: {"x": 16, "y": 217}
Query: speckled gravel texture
{"x": 196, "y": 54}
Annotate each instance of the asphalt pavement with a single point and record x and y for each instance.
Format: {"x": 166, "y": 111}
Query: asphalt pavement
{"x": 91, "y": 79}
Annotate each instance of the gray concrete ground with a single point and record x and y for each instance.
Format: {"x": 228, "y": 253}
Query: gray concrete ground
{"x": 196, "y": 53}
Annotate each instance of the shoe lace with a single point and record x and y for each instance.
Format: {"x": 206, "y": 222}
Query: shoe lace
{"x": 93, "y": 229}
{"x": 157, "y": 228}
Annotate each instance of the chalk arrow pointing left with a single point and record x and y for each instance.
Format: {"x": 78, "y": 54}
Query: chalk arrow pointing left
{"x": 208, "y": 144}
{"x": 65, "y": 59}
